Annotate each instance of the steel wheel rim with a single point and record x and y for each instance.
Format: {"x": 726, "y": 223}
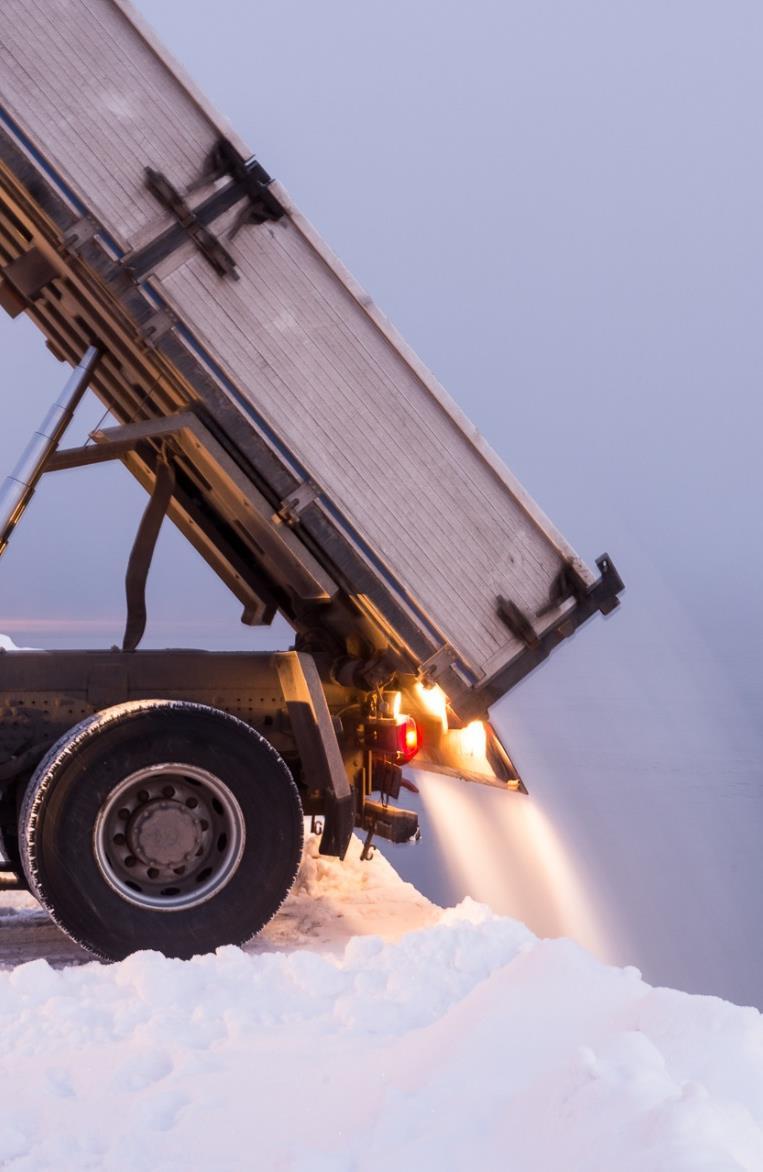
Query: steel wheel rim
{"x": 169, "y": 837}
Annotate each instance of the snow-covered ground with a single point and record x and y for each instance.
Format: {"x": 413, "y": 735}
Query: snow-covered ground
{"x": 367, "y": 1028}
{"x": 7, "y": 644}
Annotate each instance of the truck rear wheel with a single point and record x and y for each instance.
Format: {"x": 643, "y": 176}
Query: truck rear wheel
{"x": 161, "y": 825}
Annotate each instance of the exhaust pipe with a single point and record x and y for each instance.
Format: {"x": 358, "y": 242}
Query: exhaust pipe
{"x": 18, "y": 488}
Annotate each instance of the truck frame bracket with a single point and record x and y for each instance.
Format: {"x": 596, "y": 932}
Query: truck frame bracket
{"x": 27, "y": 276}
{"x": 517, "y": 621}
{"x": 207, "y": 243}
{"x": 250, "y": 182}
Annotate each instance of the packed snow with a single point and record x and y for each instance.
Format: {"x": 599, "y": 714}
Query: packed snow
{"x": 368, "y": 1029}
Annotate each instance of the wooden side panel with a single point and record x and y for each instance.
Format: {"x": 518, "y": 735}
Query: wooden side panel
{"x": 84, "y": 84}
{"x": 359, "y": 418}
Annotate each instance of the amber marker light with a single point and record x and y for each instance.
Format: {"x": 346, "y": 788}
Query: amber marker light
{"x": 434, "y": 702}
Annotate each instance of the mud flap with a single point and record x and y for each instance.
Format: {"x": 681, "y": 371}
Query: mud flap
{"x": 316, "y": 739}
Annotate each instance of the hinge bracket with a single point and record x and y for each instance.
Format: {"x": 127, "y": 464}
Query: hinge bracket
{"x": 207, "y": 243}
{"x": 80, "y": 233}
{"x": 157, "y": 325}
{"x": 23, "y": 279}
{"x": 261, "y": 204}
{"x": 517, "y": 621}
{"x": 434, "y": 667}
{"x": 567, "y": 584}
{"x": 290, "y": 508}
{"x": 249, "y": 181}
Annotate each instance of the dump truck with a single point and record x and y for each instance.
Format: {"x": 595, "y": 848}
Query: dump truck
{"x": 157, "y": 798}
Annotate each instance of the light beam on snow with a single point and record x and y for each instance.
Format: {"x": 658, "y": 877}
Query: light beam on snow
{"x": 504, "y": 851}
{"x": 574, "y": 901}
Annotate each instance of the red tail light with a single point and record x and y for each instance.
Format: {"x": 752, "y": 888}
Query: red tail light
{"x": 397, "y": 738}
{"x": 408, "y": 739}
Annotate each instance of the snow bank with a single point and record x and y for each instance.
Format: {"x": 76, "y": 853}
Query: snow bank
{"x": 442, "y": 1039}
{"x": 7, "y": 644}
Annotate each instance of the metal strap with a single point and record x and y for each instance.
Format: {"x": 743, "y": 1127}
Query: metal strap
{"x": 517, "y": 621}
{"x": 438, "y": 663}
{"x": 207, "y": 243}
{"x": 296, "y": 502}
{"x": 142, "y": 553}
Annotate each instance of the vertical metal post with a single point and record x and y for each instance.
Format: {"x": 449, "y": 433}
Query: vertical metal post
{"x": 18, "y": 488}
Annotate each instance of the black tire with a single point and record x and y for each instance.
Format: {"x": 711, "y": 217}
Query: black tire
{"x": 71, "y": 801}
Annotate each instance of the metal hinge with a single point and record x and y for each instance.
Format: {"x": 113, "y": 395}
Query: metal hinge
{"x": 80, "y": 233}
{"x": 207, "y": 243}
{"x": 249, "y": 181}
{"x": 434, "y": 667}
{"x": 296, "y": 502}
{"x": 159, "y": 324}
{"x": 30, "y": 273}
{"x": 517, "y": 621}
{"x": 568, "y": 583}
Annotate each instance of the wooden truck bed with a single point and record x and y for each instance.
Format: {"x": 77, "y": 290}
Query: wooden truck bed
{"x": 165, "y": 239}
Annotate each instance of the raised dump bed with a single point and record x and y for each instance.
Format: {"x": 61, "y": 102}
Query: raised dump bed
{"x": 318, "y": 465}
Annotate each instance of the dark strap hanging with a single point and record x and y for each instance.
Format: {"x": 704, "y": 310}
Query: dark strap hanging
{"x": 142, "y": 553}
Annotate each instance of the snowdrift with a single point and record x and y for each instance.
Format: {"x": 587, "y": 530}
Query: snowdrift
{"x": 368, "y": 1029}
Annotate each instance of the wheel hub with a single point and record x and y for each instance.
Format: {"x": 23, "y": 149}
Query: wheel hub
{"x": 164, "y": 833}
{"x": 169, "y": 836}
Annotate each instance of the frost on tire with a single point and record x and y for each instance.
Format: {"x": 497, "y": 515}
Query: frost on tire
{"x": 161, "y": 825}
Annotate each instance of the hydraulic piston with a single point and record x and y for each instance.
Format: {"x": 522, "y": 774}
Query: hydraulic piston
{"x": 18, "y": 488}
